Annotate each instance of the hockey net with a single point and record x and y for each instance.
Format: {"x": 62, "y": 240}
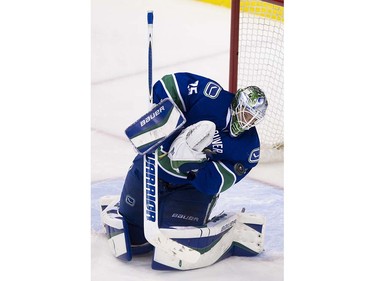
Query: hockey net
{"x": 257, "y": 58}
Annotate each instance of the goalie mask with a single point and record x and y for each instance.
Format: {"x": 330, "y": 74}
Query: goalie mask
{"x": 248, "y": 109}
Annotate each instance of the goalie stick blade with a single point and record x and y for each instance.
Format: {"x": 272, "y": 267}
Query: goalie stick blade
{"x": 149, "y": 131}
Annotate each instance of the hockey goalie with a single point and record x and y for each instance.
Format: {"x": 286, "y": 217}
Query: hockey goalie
{"x": 198, "y": 141}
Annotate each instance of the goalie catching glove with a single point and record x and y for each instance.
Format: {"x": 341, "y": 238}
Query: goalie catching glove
{"x": 186, "y": 152}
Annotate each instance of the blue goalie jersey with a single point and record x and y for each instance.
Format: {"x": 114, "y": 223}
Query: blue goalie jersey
{"x": 200, "y": 98}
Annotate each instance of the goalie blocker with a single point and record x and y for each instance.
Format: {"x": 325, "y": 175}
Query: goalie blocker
{"x": 228, "y": 234}
{"x": 151, "y": 129}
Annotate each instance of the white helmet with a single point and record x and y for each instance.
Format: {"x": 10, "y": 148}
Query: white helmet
{"x": 248, "y": 109}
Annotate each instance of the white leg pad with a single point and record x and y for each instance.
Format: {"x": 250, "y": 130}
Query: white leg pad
{"x": 250, "y": 230}
{"x": 116, "y": 229}
{"x": 229, "y": 234}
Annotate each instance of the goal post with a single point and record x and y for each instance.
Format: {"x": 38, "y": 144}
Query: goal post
{"x": 257, "y": 58}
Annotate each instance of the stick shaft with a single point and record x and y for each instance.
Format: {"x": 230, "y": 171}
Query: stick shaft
{"x": 150, "y": 22}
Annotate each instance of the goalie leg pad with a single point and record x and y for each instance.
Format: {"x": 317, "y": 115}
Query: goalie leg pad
{"x": 104, "y": 201}
{"x": 224, "y": 236}
{"x": 249, "y": 238}
{"x": 213, "y": 241}
{"x": 116, "y": 228}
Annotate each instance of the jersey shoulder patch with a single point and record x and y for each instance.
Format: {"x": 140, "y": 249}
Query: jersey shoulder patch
{"x": 212, "y": 90}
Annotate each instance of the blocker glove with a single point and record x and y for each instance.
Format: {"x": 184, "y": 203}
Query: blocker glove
{"x": 186, "y": 151}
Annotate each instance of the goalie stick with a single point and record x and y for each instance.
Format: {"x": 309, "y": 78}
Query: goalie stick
{"x": 150, "y": 186}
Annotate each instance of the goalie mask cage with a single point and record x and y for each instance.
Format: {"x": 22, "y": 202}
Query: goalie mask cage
{"x": 257, "y": 58}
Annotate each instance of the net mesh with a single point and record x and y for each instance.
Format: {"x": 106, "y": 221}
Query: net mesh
{"x": 260, "y": 63}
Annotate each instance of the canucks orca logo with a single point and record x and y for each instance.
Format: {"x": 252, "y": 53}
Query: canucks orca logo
{"x": 212, "y": 90}
{"x": 254, "y": 155}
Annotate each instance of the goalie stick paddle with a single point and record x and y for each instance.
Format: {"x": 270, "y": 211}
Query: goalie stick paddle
{"x": 150, "y": 186}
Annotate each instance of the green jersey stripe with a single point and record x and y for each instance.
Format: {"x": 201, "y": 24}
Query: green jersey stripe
{"x": 171, "y": 87}
{"x": 228, "y": 178}
{"x": 165, "y": 164}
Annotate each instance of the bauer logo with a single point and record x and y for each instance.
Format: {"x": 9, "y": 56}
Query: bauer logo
{"x": 254, "y": 155}
{"x": 212, "y": 90}
{"x": 150, "y": 187}
{"x": 227, "y": 226}
{"x": 152, "y": 116}
{"x": 185, "y": 217}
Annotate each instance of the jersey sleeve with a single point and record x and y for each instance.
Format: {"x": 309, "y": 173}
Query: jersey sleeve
{"x": 186, "y": 90}
{"x": 242, "y": 148}
{"x": 168, "y": 87}
{"x": 218, "y": 176}
{"x": 234, "y": 159}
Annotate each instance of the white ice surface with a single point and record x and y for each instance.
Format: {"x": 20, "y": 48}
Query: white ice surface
{"x": 188, "y": 36}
